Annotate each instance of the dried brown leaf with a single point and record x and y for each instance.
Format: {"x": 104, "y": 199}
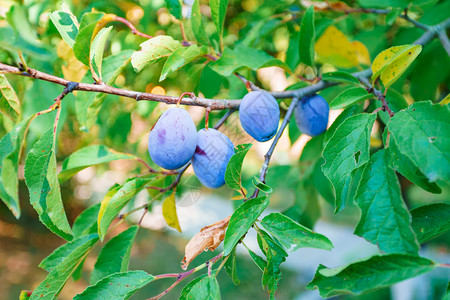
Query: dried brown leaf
{"x": 209, "y": 238}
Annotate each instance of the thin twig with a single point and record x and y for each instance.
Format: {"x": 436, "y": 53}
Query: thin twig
{"x": 268, "y": 156}
{"x": 181, "y": 276}
{"x": 444, "y": 40}
{"x": 132, "y": 27}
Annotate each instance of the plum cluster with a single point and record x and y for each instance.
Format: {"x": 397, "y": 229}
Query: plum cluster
{"x": 174, "y": 140}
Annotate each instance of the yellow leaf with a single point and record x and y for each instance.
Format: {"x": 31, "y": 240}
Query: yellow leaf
{"x": 398, "y": 66}
{"x": 74, "y": 70}
{"x": 446, "y": 100}
{"x": 105, "y": 202}
{"x": 209, "y": 238}
{"x": 334, "y": 48}
{"x": 361, "y": 52}
{"x": 169, "y": 211}
{"x": 406, "y": 54}
{"x": 102, "y": 23}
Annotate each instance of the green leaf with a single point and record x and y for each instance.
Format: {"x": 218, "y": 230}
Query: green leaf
{"x": 88, "y": 104}
{"x": 54, "y": 282}
{"x": 82, "y": 45}
{"x": 348, "y": 112}
{"x": 275, "y": 257}
{"x": 96, "y": 52}
{"x": 385, "y": 219}
{"x": 42, "y": 182}
{"x": 203, "y": 287}
{"x": 241, "y": 221}
{"x": 61, "y": 253}
{"x": 10, "y": 146}
{"x": 86, "y": 222}
{"x": 261, "y": 185}
{"x": 403, "y": 164}
{"x": 9, "y": 103}
{"x": 307, "y": 37}
{"x": 115, "y": 255}
{"x": 175, "y": 8}
{"x": 181, "y": 57}
{"x": 373, "y": 273}
{"x": 293, "y": 235}
{"x": 391, "y": 63}
{"x": 234, "y": 166}
{"x": 117, "y": 198}
{"x": 241, "y": 58}
{"x": 169, "y": 211}
{"x": 350, "y": 96}
{"x": 346, "y": 151}
{"x": 197, "y": 23}
{"x": 259, "y": 261}
{"x": 424, "y": 139}
{"x": 230, "y": 267}
{"x": 218, "y": 12}
{"x": 340, "y": 76}
{"x": 118, "y": 286}
{"x": 66, "y": 24}
{"x": 89, "y": 156}
{"x": 154, "y": 49}
{"x": 430, "y": 221}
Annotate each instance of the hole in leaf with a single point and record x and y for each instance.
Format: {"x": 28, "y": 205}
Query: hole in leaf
{"x": 432, "y": 139}
{"x": 356, "y": 156}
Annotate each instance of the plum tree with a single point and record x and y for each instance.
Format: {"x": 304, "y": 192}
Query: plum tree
{"x": 172, "y": 140}
{"x": 311, "y": 114}
{"x": 259, "y": 114}
{"x": 214, "y": 150}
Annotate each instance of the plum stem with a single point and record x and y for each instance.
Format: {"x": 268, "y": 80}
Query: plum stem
{"x": 208, "y": 110}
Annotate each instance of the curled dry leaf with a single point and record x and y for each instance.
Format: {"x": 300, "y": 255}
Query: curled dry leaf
{"x": 209, "y": 238}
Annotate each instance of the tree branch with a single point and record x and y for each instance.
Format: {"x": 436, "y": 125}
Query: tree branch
{"x": 444, "y": 40}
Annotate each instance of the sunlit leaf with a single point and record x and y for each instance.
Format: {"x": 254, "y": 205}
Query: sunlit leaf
{"x": 181, "y": 57}
{"x": 169, "y": 211}
{"x": 175, "y": 8}
{"x": 391, "y": 63}
{"x": 197, "y": 23}
{"x": 67, "y": 25}
{"x": 9, "y": 103}
{"x": 82, "y": 45}
{"x": 218, "y": 12}
{"x": 333, "y": 47}
{"x": 97, "y": 49}
{"x": 152, "y": 50}
{"x": 203, "y": 287}
{"x": 41, "y": 179}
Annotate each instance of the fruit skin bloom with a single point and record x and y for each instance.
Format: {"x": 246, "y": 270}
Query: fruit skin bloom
{"x": 311, "y": 115}
{"x": 259, "y": 114}
{"x": 214, "y": 150}
{"x": 173, "y": 139}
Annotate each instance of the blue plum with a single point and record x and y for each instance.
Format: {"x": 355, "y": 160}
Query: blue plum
{"x": 311, "y": 115}
{"x": 173, "y": 139}
{"x": 259, "y": 114}
{"x": 214, "y": 150}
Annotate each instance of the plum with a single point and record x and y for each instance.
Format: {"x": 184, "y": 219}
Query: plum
{"x": 311, "y": 115}
{"x": 214, "y": 150}
{"x": 173, "y": 139}
{"x": 259, "y": 114}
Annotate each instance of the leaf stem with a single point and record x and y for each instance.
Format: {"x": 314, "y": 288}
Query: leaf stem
{"x": 181, "y": 276}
